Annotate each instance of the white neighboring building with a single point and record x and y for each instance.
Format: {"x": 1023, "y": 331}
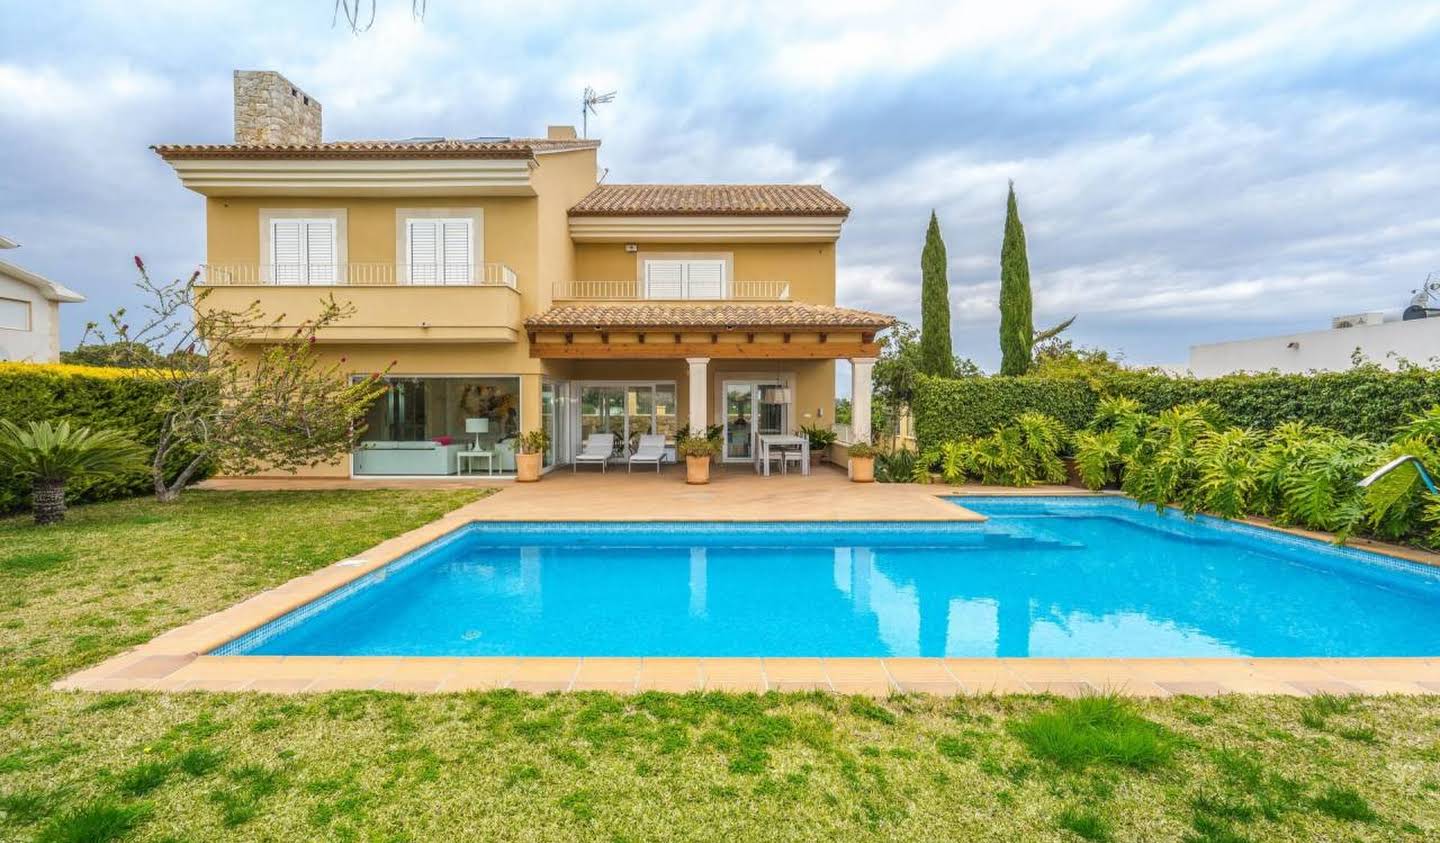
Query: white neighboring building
{"x": 30, "y": 313}
{"x": 1379, "y": 341}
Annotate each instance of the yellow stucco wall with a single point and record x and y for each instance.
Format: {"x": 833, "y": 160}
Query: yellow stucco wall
{"x": 530, "y": 235}
{"x": 809, "y": 267}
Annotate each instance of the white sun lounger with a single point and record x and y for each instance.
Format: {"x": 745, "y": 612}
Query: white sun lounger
{"x": 598, "y": 447}
{"x": 651, "y": 449}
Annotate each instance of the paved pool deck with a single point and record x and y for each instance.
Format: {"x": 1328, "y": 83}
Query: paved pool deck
{"x": 176, "y": 660}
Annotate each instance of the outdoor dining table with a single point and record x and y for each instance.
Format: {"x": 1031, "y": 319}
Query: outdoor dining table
{"x": 783, "y": 440}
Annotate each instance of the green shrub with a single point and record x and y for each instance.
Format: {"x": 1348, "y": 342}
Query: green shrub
{"x": 900, "y": 466}
{"x": 1020, "y": 454}
{"x": 123, "y": 400}
{"x": 1364, "y": 401}
{"x": 947, "y": 410}
{"x": 1165, "y": 465}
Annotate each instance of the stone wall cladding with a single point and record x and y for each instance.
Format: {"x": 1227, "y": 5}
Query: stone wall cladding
{"x": 270, "y": 109}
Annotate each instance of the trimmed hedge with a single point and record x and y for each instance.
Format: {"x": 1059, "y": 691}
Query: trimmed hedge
{"x": 87, "y": 396}
{"x": 1364, "y": 401}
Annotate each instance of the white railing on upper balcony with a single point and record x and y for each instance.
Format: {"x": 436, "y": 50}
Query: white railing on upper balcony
{"x": 636, "y": 291}
{"x": 357, "y": 275}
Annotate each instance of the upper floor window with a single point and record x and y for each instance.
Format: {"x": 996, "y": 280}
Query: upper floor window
{"x": 302, "y": 251}
{"x": 15, "y": 314}
{"x": 442, "y": 251}
{"x": 684, "y": 279}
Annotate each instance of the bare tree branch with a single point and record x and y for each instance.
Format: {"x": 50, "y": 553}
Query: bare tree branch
{"x": 354, "y": 13}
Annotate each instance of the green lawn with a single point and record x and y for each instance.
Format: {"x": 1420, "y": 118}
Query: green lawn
{"x": 371, "y": 766}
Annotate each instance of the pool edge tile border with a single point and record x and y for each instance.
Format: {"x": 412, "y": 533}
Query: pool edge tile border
{"x": 178, "y": 660}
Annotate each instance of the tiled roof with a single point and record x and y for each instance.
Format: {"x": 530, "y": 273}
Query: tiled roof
{"x": 709, "y": 316}
{"x": 446, "y": 148}
{"x": 710, "y": 200}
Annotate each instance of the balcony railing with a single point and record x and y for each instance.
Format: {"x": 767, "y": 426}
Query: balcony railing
{"x": 357, "y": 275}
{"x": 636, "y": 291}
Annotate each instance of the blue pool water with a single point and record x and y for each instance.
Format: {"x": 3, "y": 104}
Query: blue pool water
{"x": 1045, "y": 577}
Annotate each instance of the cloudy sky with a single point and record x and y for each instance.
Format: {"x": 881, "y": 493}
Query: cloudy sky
{"x": 1186, "y": 173}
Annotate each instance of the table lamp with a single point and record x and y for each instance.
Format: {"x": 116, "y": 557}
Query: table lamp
{"x": 477, "y": 426}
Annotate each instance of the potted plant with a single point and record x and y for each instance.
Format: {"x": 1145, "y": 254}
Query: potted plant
{"x": 821, "y": 438}
{"x": 50, "y": 456}
{"x": 715, "y": 433}
{"x": 532, "y": 452}
{"x": 697, "y": 451}
{"x": 862, "y": 462}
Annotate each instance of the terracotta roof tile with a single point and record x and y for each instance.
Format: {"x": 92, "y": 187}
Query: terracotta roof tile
{"x": 710, "y": 200}
{"x": 446, "y": 148}
{"x": 719, "y": 315}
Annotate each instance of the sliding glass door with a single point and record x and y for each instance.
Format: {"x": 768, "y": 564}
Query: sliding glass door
{"x": 602, "y": 410}
{"x": 752, "y": 409}
{"x": 555, "y": 403}
{"x": 739, "y": 421}
{"x": 628, "y": 410}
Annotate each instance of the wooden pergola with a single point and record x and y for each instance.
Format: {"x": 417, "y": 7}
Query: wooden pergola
{"x": 699, "y": 333}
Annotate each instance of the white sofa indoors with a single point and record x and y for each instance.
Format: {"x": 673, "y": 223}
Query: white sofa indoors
{"x": 406, "y": 458}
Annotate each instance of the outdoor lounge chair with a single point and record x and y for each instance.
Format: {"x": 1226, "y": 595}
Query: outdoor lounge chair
{"x": 598, "y": 447}
{"x": 650, "y": 450}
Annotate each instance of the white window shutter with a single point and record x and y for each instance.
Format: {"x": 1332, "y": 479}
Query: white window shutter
{"x": 424, "y": 251}
{"x": 15, "y": 314}
{"x": 704, "y": 279}
{"x": 664, "y": 279}
{"x": 320, "y": 252}
{"x": 456, "y": 251}
{"x": 287, "y": 252}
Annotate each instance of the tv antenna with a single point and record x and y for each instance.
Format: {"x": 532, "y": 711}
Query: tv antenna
{"x": 588, "y": 101}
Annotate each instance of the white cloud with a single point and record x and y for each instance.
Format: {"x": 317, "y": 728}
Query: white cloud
{"x": 1183, "y": 173}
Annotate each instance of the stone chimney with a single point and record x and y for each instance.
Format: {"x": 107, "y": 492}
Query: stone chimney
{"x": 270, "y": 109}
{"x": 560, "y": 132}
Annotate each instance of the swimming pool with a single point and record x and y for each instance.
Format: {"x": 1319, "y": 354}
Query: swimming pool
{"x": 1043, "y": 577}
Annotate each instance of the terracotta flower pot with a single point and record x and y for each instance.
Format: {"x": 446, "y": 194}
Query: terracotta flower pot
{"x": 862, "y": 469}
{"x": 697, "y": 470}
{"x": 527, "y": 467}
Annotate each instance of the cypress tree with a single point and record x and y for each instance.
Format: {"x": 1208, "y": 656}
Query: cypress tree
{"x": 1017, "y": 328}
{"x": 935, "y": 355}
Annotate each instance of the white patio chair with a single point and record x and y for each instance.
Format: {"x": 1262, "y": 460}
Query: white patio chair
{"x": 651, "y": 449}
{"x": 789, "y": 454}
{"x": 598, "y": 448}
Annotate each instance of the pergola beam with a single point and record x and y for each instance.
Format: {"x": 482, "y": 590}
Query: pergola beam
{"x": 715, "y": 350}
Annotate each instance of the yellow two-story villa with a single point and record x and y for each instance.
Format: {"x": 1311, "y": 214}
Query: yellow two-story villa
{"x": 513, "y": 290}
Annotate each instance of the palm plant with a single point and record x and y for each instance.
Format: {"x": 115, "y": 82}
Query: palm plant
{"x": 1320, "y": 490}
{"x": 1098, "y": 457}
{"x": 1397, "y": 503}
{"x": 1164, "y": 464}
{"x": 50, "y": 456}
{"x": 1042, "y": 439}
{"x": 899, "y": 466}
{"x": 1003, "y": 460}
{"x": 1114, "y": 434}
{"x": 956, "y": 459}
{"x": 1283, "y": 448}
{"x": 1227, "y": 471}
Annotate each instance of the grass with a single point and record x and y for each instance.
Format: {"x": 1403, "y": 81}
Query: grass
{"x": 1085, "y": 824}
{"x": 1104, "y": 729}
{"x": 501, "y": 765}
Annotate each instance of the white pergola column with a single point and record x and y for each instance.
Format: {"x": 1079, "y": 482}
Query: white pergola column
{"x": 861, "y": 370}
{"x": 699, "y": 392}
